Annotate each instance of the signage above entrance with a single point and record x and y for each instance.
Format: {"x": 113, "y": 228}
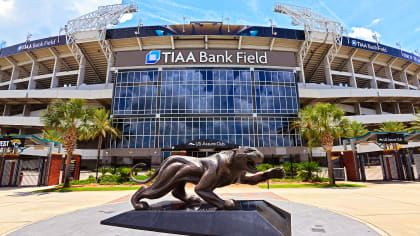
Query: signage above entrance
{"x": 12, "y": 142}
{"x": 391, "y": 138}
{"x": 205, "y": 144}
{"x": 205, "y": 57}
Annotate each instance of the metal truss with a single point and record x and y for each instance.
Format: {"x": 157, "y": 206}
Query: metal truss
{"x": 313, "y": 22}
{"x": 97, "y": 21}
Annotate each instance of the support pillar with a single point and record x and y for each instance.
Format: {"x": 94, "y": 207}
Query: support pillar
{"x": 404, "y": 78}
{"x": 81, "y": 75}
{"x": 108, "y": 69}
{"x": 371, "y": 70}
{"x": 397, "y": 109}
{"x": 57, "y": 68}
{"x": 412, "y": 108}
{"x": 6, "y": 110}
{"x": 328, "y": 76}
{"x": 357, "y": 109}
{"x": 378, "y": 108}
{"x": 302, "y": 70}
{"x": 389, "y": 76}
{"x": 34, "y": 72}
{"x": 416, "y": 81}
{"x": 15, "y": 74}
{"x": 353, "y": 81}
{"x": 26, "y": 110}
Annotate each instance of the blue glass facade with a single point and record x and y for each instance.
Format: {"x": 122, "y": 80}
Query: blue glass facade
{"x": 160, "y": 109}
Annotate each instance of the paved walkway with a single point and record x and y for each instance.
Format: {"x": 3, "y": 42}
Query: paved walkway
{"x": 20, "y": 207}
{"x": 306, "y": 221}
{"x": 393, "y": 208}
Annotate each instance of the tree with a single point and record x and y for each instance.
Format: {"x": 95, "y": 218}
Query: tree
{"x": 356, "y": 129}
{"x": 52, "y": 135}
{"x": 392, "y": 126}
{"x": 100, "y": 128}
{"x": 305, "y": 125}
{"x": 70, "y": 118}
{"x": 328, "y": 123}
{"x": 415, "y": 125}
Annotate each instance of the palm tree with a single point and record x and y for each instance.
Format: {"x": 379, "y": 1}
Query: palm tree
{"x": 71, "y": 119}
{"x": 52, "y": 135}
{"x": 100, "y": 128}
{"x": 356, "y": 129}
{"x": 329, "y": 123}
{"x": 415, "y": 125}
{"x": 305, "y": 126}
{"x": 392, "y": 126}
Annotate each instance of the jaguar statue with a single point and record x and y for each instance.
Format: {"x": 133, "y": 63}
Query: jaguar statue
{"x": 218, "y": 170}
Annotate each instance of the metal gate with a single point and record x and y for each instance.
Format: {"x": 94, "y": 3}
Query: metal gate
{"x": 26, "y": 171}
{"x": 30, "y": 171}
{"x": 9, "y": 173}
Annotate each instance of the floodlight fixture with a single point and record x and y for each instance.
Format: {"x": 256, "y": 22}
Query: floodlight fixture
{"x": 184, "y": 18}
{"x": 228, "y": 19}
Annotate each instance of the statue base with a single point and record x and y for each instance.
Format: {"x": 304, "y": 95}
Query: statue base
{"x": 252, "y": 217}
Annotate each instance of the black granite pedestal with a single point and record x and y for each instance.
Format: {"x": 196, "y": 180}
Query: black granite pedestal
{"x": 253, "y": 217}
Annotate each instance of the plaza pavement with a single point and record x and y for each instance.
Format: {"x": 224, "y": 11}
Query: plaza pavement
{"x": 392, "y": 208}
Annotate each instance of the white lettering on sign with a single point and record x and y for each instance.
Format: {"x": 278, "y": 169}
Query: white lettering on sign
{"x": 4, "y": 143}
{"x": 240, "y": 57}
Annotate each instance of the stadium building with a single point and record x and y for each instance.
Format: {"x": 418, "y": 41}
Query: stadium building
{"x": 204, "y": 86}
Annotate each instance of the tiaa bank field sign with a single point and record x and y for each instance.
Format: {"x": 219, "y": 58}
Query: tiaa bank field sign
{"x": 205, "y": 57}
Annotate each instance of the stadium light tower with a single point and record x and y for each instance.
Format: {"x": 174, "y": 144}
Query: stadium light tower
{"x": 314, "y": 25}
{"x": 97, "y": 21}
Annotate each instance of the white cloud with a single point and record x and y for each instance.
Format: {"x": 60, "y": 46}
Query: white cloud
{"x": 363, "y": 33}
{"x": 126, "y": 17}
{"x": 374, "y": 22}
{"x": 6, "y": 7}
{"x": 417, "y": 29}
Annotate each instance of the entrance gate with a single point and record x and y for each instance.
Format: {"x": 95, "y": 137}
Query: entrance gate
{"x": 23, "y": 172}
{"x": 31, "y": 171}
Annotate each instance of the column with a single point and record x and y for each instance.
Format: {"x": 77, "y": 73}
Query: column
{"x": 350, "y": 67}
{"x": 378, "y": 108}
{"x": 34, "y": 72}
{"x": 389, "y": 76}
{"x": 371, "y": 70}
{"x": 412, "y": 108}
{"x": 26, "y": 110}
{"x": 302, "y": 70}
{"x": 357, "y": 109}
{"x": 6, "y": 110}
{"x": 416, "y": 81}
{"x": 57, "y": 68}
{"x": 81, "y": 75}
{"x": 328, "y": 76}
{"x": 397, "y": 108}
{"x": 404, "y": 79}
{"x": 15, "y": 74}
{"x": 108, "y": 69}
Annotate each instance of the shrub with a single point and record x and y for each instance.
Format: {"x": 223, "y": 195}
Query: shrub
{"x": 306, "y": 170}
{"x": 103, "y": 171}
{"x": 264, "y": 167}
{"x": 90, "y": 180}
{"x": 123, "y": 174}
{"x": 109, "y": 179}
{"x": 150, "y": 172}
{"x": 287, "y": 166}
{"x": 113, "y": 171}
{"x": 316, "y": 178}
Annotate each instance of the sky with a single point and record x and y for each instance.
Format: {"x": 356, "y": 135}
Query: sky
{"x": 392, "y": 21}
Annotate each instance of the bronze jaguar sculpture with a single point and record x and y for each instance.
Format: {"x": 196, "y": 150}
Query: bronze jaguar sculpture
{"x": 218, "y": 170}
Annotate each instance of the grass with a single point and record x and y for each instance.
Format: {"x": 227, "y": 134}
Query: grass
{"x": 87, "y": 189}
{"x": 312, "y": 185}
